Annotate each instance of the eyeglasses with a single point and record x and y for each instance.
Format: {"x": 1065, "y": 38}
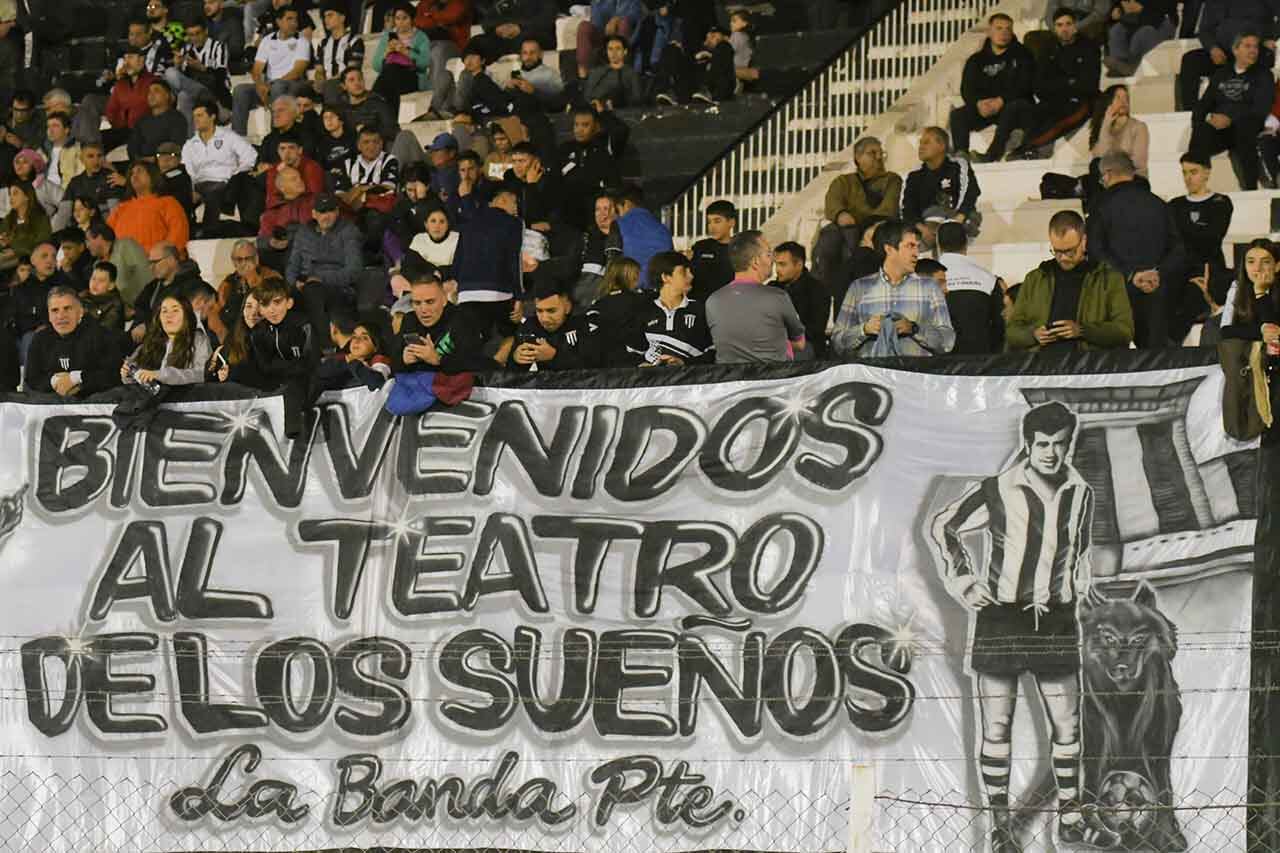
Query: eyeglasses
{"x": 242, "y": 259}
{"x": 154, "y": 261}
{"x": 1068, "y": 252}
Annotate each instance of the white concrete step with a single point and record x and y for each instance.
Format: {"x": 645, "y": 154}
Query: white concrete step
{"x": 213, "y": 257}
{"x": 1163, "y": 60}
{"x": 1028, "y": 221}
{"x": 426, "y": 131}
{"x": 1019, "y": 180}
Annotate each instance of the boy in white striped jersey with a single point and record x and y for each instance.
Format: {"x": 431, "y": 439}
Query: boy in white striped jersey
{"x": 1037, "y": 516}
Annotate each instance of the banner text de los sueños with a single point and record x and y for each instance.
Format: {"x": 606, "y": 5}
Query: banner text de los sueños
{"x": 360, "y": 685}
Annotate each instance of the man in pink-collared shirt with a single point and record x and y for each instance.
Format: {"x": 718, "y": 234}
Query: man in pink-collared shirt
{"x": 750, "y": 322}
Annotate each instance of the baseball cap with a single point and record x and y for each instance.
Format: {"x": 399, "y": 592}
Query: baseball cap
{"x": 444, "y": 142}
{"x": 325, "y": 203}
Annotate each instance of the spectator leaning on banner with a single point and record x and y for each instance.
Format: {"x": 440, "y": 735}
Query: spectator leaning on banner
{"x": 1070, "y": 302}
{"x": 750, "y": 321}
{"x": 894, "y": 311}
{"x": 72, "y": 356}
{"x": 674, "y": 327}
{"x": 553, "y": 338}
{"x": 434, "y": 336}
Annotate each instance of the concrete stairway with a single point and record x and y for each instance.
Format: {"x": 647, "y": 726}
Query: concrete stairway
{"x": 1015, "y": 220}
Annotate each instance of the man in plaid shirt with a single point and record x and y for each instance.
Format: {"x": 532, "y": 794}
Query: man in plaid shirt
{"x": 894, "y": 311}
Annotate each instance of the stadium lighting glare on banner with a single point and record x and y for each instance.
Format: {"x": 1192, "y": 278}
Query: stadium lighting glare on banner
{"x": 659, "y": 617}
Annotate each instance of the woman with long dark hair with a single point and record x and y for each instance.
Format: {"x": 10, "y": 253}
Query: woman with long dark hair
{"x": 402, "y": 57}
{"x": 1114, "y": 129}
{"x": 1256, "y": 306}
{"x": 24, "y": 227}
{"x": 233, "y": 361}
{"x": 615, "y": 311}
{"x": 174, "y": 350}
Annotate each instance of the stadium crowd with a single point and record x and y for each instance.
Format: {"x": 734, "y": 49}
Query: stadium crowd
{"x": 499, "y": 248}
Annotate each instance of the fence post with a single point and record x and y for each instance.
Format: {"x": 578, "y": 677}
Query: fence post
{"x": 862, "y": 803}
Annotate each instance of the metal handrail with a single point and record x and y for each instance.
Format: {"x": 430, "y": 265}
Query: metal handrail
{"x": 787, "y": 148}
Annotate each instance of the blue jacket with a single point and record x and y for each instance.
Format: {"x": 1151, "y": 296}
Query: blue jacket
{"x": 643, "y": 236}
{"x": 488, "y": 254}
{"x": 603, "y": 10}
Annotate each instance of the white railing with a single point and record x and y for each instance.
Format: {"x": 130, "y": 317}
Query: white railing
{"x": 807, "y": 131}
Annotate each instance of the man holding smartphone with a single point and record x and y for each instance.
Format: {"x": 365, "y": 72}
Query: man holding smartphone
{"x": 435, "y": 336}
{"x": 1070, "y": 302}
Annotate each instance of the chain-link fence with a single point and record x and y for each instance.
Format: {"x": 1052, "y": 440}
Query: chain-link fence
{"x": 57, "y": 813}
{"x": 1120, "y": 820}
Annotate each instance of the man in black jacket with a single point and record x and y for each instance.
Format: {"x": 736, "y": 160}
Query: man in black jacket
{"x": 285, "y": 351}
{"x": 1233, "y": 109}
{"x": 436, "y": 336}
{"x": 489, "y": 264}
{"x": 811, "y": 297}
{"x": 941, "y": 181}
{"x": 73, "y": 356}
{"x": 509, "y": 22}
{"x": 709, "y": 257}
{"x": 1067, "y": 78}
{"x": 30, "y": 298}
{"x": 1220, "y": 23}
{"x": 1133, "y": 232}
{"x": 553, "y": 339}
{"x": 589, "y": 165}
{"x": 997, "y": 88}
{"x": 163, "y": 124}
{"x": 537, "y": 189}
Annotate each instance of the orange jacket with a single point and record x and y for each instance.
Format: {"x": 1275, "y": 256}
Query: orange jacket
{"x": 152, "y": 219}
{"x": 452, "y": 16}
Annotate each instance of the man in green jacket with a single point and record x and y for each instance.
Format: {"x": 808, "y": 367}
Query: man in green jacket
{"x": 868, "y": 191}
{"x": 1070, "y": 303}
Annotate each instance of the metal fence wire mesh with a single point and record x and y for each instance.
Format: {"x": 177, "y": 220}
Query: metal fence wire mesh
{"x": 59, "y": 813}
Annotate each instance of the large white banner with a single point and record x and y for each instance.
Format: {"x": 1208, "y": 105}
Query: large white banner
{"x": 652, "y": 618}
